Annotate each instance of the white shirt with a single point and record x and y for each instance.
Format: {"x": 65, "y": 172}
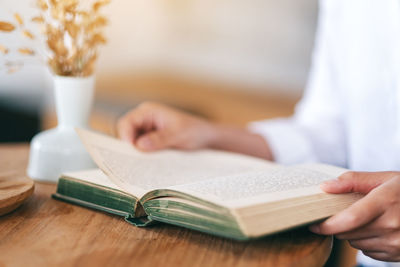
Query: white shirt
{"x": 350, "y": 113}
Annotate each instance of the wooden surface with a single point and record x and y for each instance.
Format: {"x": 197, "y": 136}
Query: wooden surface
{"x": 47, "y": 232}
{"x": 14, "y": 190}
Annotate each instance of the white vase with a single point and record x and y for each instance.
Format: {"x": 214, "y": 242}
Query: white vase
{"x": 60, "y": 150}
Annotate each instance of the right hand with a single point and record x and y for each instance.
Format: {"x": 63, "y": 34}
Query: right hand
{"x": 153, "y": 126}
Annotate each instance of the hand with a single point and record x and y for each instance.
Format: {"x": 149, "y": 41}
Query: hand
{"x": 372, "y": 224}
{"x": 153, "y": 126}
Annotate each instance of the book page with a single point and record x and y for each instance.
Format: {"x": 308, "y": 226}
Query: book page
{"x": 138, "y": 172}
{"x": 250, "y": 187}
{"x": 323, "y": 168}
{"x": 94, "y": 176}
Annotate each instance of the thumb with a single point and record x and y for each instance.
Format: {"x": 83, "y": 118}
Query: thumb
{"x": 361, "y": 182}
{"x": 155, "y": 140}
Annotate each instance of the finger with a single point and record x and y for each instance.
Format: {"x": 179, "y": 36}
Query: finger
{"x": 378, "y": 255}
{"x": 362, "y": 182}
{"x": 130, "y": 125}
{"x": 370, "y": 230}
{"x": 376, "y": 244}
{"x": 145, "y": 122}
{"x": 360, "y": 213}
{"x": 125, "y": 130}
{"x": 155, "y": 140}
{"x": 359, "y": 234}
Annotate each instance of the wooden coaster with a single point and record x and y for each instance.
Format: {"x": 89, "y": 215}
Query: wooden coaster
{"x": 14, "y": 190}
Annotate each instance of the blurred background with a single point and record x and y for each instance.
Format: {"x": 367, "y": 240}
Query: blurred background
{"x": 230, "y": 61}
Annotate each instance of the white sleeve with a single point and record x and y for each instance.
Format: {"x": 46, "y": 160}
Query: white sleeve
{"x": 316, "y": 132}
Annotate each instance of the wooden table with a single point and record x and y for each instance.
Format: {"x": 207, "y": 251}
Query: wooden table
{"x": 47, "y": 232}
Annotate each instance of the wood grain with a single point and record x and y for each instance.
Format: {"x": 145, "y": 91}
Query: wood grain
{"x": 47, "y": 232}
{"x": 15, "y": 187}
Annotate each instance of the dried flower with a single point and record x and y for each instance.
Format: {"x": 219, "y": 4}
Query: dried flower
{"x": 38, "y": 19}
{"x": 73, "y": 35}
{"x": 72, "y": 29}
{"x": 6, "y": 26}
{"x": 18, "y": 19}
{"x": 97, "y": 39}
{"x": 26, "y": 51}
{"x": 13, "y": 66}
{"x": 98, "y": 22}
{"x": 99, "y": 4}
{"x": 3, "y": 49}
{"x": 42, "y": 5}
{"x": 28, "y": 34}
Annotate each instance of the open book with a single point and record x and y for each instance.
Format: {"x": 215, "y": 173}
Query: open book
{"x": 217, "y": 192}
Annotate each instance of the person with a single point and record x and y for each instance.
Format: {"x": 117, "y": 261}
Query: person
{"x": 349, "y": 116}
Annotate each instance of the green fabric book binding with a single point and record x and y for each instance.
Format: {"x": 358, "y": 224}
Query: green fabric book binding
{"x": 216, "y": 192}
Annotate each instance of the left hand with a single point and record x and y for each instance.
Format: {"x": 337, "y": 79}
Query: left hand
{"x": 372, "y": 224}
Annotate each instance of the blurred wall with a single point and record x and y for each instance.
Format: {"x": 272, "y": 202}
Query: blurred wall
{"x": 262, "y": 42}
